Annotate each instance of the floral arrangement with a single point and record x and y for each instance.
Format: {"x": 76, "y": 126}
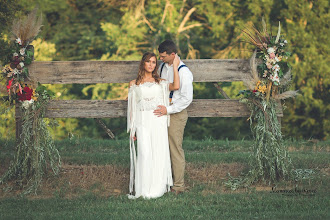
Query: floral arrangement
{"x": 268, "y": 84}
{"x": 16, "y": 72}
{"x": 273, "y": 73}
{"x": 35, "y": 152}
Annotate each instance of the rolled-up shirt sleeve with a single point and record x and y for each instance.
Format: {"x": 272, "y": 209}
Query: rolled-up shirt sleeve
{"x": 184, "y": 96}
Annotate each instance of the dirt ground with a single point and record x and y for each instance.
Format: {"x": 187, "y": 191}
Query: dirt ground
{"x": 108, "y": 180}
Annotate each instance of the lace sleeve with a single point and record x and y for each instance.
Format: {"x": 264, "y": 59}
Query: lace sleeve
{"x": 131, "y": 110}
{"x": 131, "y": 117}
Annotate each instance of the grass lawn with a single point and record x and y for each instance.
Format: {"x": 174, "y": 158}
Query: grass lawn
{"x": 94, "y": 180}
{"x": 191, "y": 205}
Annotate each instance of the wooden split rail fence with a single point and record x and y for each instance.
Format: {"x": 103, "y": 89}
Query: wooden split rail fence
{"x": 91, "y": 72}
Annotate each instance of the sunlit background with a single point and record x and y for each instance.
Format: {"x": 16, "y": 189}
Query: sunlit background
{"x": 202, "y": 29}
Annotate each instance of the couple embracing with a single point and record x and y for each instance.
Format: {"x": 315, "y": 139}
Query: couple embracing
{"x": 156, "y": 118}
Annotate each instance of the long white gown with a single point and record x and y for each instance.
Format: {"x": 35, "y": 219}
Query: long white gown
{"x": 150, "y": 173}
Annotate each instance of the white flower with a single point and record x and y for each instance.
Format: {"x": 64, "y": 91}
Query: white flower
{"x": 276, "y": 78}
{"x": 277, "y": 60}
{"x": 266, "y": 57}
{"x": 18, "y": 40}
{"x": 27, "y": 103}
{"x": 265, "y": 74}
{"x": 15, "y": 71}
{"x": 15, "y": 54}
{"x": 272, "y": 61}
{"x": 276, "y": 68}
{"x": 270, "y": 50}
{"x": 285, "y": 41}
{"x": 22, "y": 51}
{"x": 281, "y": 44}
{"x": 21, "y": 64}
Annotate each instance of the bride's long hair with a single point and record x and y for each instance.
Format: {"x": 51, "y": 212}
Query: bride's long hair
{"x": 142, "y": 71}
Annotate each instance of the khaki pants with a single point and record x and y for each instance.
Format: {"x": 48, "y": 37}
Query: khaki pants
{"x": 175, "y": 135}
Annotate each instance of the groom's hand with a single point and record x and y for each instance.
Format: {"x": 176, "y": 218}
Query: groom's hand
{"x": 160, "y": 111}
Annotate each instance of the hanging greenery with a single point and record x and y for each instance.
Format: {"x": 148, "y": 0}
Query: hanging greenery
{"x": 36, "y": 154}
{"x": 268, "y": 85}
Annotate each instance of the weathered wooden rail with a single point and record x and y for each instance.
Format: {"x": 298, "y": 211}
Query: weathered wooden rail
{"x": 89, "y": 72}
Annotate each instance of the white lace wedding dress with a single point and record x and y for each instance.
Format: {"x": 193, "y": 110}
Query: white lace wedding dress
{"x": 150, "y": 173}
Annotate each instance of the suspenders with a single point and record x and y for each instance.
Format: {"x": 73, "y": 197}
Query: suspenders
{"x": 161, "y": 70}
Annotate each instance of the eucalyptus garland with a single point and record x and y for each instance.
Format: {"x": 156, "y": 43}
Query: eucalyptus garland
{"x": 36, "y": 155}
{"x": 270, "y": 160}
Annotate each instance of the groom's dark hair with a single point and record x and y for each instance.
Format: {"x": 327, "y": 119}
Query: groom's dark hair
{"x": 167, "y": 46}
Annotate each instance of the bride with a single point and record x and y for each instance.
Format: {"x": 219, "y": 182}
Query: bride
{"x": 150, "y": 173}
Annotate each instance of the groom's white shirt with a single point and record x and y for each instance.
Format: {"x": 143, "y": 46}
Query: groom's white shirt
{"x": 183, "y": 97}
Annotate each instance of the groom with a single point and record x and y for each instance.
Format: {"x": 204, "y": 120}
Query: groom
{"x": 179, "y": 101}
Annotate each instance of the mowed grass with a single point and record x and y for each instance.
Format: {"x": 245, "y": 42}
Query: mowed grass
{"x": 202, "y": 201}
{"x": 304, "y": 154}
{"x": 192, "y": 205}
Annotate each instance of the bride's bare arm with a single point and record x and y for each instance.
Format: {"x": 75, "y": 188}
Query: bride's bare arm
{"x": 176, "y": 79}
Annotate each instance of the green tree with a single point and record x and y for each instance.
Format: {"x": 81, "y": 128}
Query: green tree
{"x": 307, "y": 29}
{"x": 8, "y": 10}
{"x": 124, "y": 30}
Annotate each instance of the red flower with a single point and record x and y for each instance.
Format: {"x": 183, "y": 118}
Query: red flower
{"x": 254, "y": 91}
{"x": 9, "y": 84}
{"x": 26, "y": 94}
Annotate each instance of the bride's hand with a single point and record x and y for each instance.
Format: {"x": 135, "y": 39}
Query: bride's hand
{"x": 176, "y": 61}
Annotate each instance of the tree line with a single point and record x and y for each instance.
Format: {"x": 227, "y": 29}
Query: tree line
{"x": 124, "y": 30}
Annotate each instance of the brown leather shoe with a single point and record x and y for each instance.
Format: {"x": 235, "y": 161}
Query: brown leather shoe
{"x": 176, "y": 191}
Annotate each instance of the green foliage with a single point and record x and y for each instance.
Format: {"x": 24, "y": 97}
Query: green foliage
{"x": 123, "y": 30}
{"x": 76, "y": 30}
{"x": 7, "y": 122}
{"x": 7, "y": 13}
{"x": 307, "y": 28}
{"x": 129, "y": 32}
{"x": 44, "y": 93}
{"x": 270, "y": 160}
{"x": 43, "y": 50}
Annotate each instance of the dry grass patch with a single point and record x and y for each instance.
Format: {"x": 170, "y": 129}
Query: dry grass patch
{"x": 213, "y": 172}
{"x": 110, "y": 180}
